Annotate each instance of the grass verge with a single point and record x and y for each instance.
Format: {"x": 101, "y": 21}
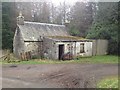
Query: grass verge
{"x": 93, "y": 59}
{"x": 110, "y": 82}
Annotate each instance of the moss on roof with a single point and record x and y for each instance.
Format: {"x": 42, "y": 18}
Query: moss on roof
{"x": 68, "y": 37}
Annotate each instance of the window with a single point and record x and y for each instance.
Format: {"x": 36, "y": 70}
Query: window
{"x": 82, "y": 48}
{"x": 68, "y": 46}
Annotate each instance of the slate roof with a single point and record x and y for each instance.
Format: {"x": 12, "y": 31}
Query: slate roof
{"x": 31, "y": 31}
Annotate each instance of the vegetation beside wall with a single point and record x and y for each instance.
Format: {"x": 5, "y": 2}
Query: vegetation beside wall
{"x": 93, "y": 59}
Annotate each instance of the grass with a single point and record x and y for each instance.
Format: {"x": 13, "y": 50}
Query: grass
{"x": 100, "y": 59}
{"x": 109, "y": 82}
{"x": 93, "y": 59}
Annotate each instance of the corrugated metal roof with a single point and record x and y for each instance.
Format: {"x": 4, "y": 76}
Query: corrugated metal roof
{"x": 31, "y": 31}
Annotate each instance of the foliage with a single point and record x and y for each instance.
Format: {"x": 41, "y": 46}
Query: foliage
{"x": 104, "y": 31}
{"x": 7, "y": 39}
{"x": 81, "y": 18}
{"x": 73, "y": 31}
{"x": 0, "y": 25}
{"x": 105, "y": 25}
{"x": 8, "y": 25}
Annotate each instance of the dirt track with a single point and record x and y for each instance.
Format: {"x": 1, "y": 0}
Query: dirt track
{"x": 56, "y": 75}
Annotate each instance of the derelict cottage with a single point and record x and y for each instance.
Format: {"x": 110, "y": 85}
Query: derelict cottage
{"x": 52, "y": 41}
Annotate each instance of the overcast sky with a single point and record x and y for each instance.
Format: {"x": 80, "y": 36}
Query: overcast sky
{"x": 57, "y": 2}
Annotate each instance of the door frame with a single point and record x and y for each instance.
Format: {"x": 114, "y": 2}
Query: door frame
{"x": 60, "y": 51}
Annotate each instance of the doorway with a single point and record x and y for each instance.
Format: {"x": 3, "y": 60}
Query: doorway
{"x": 61, "y": 51}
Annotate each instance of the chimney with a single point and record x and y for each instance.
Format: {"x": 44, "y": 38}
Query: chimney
{"x": 20, "y": 19}
{"x": 67, "y": 23}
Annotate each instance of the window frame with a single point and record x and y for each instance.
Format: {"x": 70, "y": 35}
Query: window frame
{"x": 83, "y": 47}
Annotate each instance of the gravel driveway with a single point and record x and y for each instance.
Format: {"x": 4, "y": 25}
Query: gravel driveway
{"x": 56, "y": 75}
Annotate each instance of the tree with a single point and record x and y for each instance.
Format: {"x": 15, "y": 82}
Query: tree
{"x": 0, "y": 25}
{"x": 105, "y": 25}
{"x": 45, "y": 12}
{"x": 81, "y": 18}
{"x": 26, "y": 9}
{"x": 8, "y": 24}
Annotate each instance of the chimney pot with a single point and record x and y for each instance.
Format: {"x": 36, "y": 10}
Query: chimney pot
{"x": 20, "y": 19}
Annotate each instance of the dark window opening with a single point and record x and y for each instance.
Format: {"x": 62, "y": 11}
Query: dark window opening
{"x": 82, "y": 48}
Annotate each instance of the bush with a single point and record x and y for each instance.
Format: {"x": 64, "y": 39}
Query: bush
{"x": 106, "y": 31}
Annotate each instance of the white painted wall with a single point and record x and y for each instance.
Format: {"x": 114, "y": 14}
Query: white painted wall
{"x": 65, "y": 48}
{"x": 87, "y": 47}
{"x": 76, "y": 48}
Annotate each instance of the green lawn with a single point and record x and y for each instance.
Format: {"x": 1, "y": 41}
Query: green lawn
{"x": 100, "y": 59}
{"x": 110, "y": 82}
{"x": 93, "y": 59}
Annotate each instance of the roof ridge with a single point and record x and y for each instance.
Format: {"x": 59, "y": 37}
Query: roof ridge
{"x": 42, "y": 23}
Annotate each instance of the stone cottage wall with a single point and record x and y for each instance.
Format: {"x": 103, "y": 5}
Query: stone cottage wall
{"x": 18, "y": 43}
{"x": 35, "y": 49}
{"x": 49, "y": 49}
{"x": 21, "y": 47}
